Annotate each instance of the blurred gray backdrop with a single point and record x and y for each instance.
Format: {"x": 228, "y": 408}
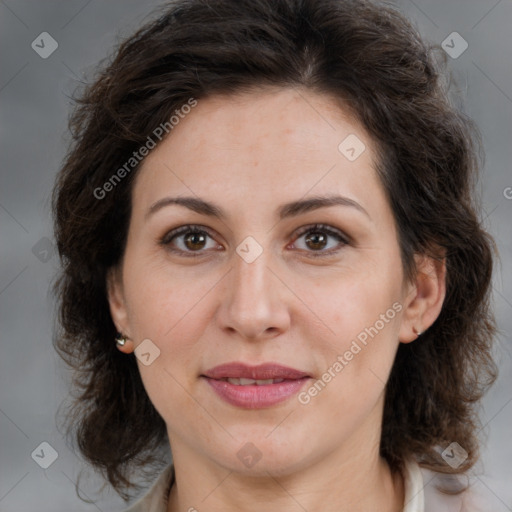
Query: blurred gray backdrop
{"x": 46, "y": 48}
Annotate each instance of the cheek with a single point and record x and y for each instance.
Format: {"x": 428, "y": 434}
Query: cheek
{"x": 163, "y": 303}
{"x": 170, "y": 310}
{"x": 363, "y": 314}
{"x": 355, "y": 300}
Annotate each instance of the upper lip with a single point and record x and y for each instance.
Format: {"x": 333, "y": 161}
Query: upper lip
{"x": 238, "y": 370}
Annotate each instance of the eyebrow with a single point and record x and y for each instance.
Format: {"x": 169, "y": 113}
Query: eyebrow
{"x": 287, "y": 210}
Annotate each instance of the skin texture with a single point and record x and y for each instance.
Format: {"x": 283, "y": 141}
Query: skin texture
{"x": 250, "y": 154}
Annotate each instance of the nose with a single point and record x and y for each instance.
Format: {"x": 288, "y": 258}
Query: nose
{"x": 254, "y": 302}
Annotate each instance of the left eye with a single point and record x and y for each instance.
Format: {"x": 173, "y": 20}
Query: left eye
{"x": 189, "y": 239}
{"x": 321, "y": 239}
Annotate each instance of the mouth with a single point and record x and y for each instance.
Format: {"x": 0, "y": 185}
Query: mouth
{"x": 255, "y": 387}
{"x": 251, "y": 382}
{"x": 261, "y": 372}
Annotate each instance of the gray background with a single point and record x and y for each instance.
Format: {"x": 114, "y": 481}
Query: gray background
{"x": 34, "y": 104}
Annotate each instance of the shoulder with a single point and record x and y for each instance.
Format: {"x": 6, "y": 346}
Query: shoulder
{"x": 425, "y": 491}
{"x": 155, "y": 499}
{"x": 430, "y": 491}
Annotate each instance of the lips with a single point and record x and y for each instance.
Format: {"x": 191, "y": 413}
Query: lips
{"x": 255, "y": 387}
{"x": 261, "y": 372}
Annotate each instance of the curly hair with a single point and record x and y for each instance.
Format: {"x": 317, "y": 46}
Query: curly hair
{"x": 371, "y": 59}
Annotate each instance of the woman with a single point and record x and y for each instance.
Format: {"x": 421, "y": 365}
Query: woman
{"x": 272, "y": 264}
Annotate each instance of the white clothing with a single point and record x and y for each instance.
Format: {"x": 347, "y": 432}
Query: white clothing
{"x": 421, "y": 493}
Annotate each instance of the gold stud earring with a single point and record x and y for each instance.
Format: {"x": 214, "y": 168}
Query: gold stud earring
{"x": 124, "y": 344}
{"x": 120, "y": 340}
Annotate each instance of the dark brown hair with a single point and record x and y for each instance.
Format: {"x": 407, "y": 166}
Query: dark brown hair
{"x": 374, "y": 62}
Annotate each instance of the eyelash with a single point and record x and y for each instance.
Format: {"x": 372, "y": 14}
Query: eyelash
{"x": 197, "y": 229}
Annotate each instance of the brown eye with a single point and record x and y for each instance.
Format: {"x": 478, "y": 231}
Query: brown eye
{"x": 195, "y": 241}
{"x": 189, "y": 241}
{"x": 316, "y": 240}
{"x": 320, "y": 240}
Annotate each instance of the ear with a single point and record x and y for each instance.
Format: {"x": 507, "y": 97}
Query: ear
{"x": 425, "y": 297}
{"x": 116, "y": 300}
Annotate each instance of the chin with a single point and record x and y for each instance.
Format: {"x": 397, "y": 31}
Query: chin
{"x": 263, "y": 456}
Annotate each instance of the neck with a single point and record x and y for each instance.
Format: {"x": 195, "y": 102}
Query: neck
{"x": 354, "y": 480}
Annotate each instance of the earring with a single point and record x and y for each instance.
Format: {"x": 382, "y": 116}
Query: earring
{"x": 124, "y": 344}
{"x": 418, "y": 333}
{"x": 120, "y": 340}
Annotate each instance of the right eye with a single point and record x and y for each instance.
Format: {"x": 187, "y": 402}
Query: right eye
{"x": 189, "y": 240}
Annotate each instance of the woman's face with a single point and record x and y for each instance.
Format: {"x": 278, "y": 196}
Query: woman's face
{"x": 259, "y": 274}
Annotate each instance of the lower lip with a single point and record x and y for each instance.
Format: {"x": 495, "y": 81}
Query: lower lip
{"x": 256, "y": 397}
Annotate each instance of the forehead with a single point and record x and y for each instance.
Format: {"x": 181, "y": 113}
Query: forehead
{"x": 258, "y": 146}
